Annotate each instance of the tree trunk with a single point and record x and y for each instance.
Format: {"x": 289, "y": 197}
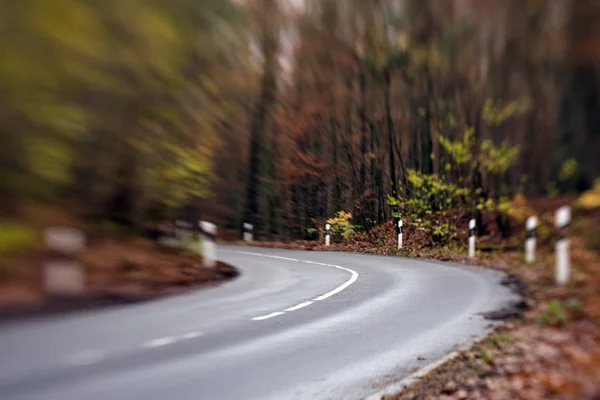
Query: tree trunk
{"x": 259, "y": 125}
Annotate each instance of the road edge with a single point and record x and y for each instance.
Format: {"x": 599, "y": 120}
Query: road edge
{"x": 396, "y": 387}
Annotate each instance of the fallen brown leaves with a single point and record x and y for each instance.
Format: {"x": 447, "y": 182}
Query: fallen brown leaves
{"x": 120, "y": 266}
{"x": 122, "y": 270}
{"x": 521, "y": 361}
{"x": 551, "y": 352}
{"x": 143, "y": 267}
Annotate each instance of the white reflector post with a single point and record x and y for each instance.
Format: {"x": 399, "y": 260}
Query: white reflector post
{"x": 327, "y": 235}
{"x": 530, "y": 240}
{"x": 472, "y": 238}
{"x": 248, "y": 232}
{"x": 563, "y": 262}
{"x": 63, "y": 274}
{"x": 208, "y": 232}
{"x": 399, "y": 233}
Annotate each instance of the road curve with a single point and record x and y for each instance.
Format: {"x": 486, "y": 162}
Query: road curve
{"x": 294, "y": 325}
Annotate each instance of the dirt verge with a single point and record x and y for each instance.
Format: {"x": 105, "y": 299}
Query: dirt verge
{"x": 119, "y": 271}
{"x": 549, "y": 345}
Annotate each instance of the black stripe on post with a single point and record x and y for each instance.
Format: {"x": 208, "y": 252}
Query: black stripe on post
{"x": 471, "y": 232}
{"x": 562, "y": 232}
{"x": 563, "y": 219}
{"x": 396, "y": 227}
{"x": 531, "y": 233}
{"x": 208, "y": 235}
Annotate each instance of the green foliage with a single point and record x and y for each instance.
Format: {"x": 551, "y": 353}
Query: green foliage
{"x": 15, "y": 237}
{"x": 551, "y": 189}
{"x": 341, "y": 226}
{"x": 516, "y": 208}
{"x": 187, "y": 174}
{"x": 461, "y": 150}
{"x": 96, "y": 88}
{"x": 395, "y": 251}
{"x": 497, "y": 159}
{"x": 442, "y": 233}
{"x": 435, "y": 195}
{"x": 482, "y": 354}
{"x": 494, "y": 159}
{"x": 568, "y": 170}
{"x": 503, "y": 337}
{"x": 575, "y": 307}
{"x": 431, "y": 197}
{"x": 554, "y": 314}
{"x": 496, "y": 112}
{"x": 312, "y": 234}
{"x": 431, "y": 193}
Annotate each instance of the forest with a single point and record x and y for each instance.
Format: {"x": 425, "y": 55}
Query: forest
{"x": 284, "y": 113}
{"x": 124, "y": 122}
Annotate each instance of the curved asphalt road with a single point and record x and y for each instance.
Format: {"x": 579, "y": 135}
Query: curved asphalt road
{"x": 354, "y": 324}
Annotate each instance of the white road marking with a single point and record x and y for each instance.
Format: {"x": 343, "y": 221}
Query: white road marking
{"x": 267, "y": 316}
{"x": 85, "y": 358}
{"x": 265, "y": 255}
{"x": 164, "y": 341}
{"x": 251, "y": 253}
{"x": 299, "y": 306}
{"x": 160, "y": 342}
{"x": 192, "y": 335}
{"x": 338, "y": 289}
{"x": 316, "y": 263}
{"x": 283, "y": 258}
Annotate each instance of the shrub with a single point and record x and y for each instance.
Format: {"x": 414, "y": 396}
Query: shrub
{"x": 312, "y": 234}
{"x": 341, "y": 227}
{"x": 432, "y": 198}
{"x": 15, "y": 237}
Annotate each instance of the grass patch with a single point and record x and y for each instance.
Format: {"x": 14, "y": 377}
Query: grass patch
{"x": 555, "y": 314}
{"x": 503, "y": 337}
{"x": 14, "y": 237}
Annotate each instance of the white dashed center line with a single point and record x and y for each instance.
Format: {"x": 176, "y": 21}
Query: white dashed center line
{"x": 164, "y": 341}
{"x": 284, "y": 258}
{"x": 299, "y": 306}
{"x": 267, "y": 316}
{"x": 159, "y": 342}
{"x": 192, "y": 335}
{"x": 338, "y": 289}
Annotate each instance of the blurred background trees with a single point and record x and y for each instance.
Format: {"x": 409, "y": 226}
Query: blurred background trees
{"x": 115, "y": 105}
{"x": 283, "y": 113}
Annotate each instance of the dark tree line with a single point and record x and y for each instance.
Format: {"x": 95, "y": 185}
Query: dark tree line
{"x": 282, "y": 113}
{"x": 371, "y": 88}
